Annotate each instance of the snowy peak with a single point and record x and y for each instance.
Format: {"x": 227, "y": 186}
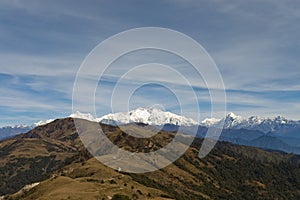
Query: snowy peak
{"x": 229, "y": 121}
{"x": 86, "y": 116}
{"x": 281, "y": 120}
{"x": 232, "y": 120}
{"x": 151, "y": 116}
{"x": 210, "y": 121}
{"x": 233, "y": 116}
{"x": 255, "y": 120}
{"x": 19, "y": 126}
{"x": 42, "y": 122}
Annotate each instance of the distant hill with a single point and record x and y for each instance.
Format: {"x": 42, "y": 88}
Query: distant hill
{"x": 53, "y": 157}
{"x": 10, "y": 131}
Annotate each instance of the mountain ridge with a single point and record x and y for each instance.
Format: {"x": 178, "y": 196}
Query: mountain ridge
{"x": 54, "y": 156}
{"x": 156, "y": 116}
{"x": 266, "y": 125}
{"x": 286, "y": 132}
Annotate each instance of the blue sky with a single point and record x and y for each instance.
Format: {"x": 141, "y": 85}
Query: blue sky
{"x": 255, "y": 44}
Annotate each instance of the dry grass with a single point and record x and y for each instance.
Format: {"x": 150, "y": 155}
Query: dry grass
{"x": 90, "y": 180}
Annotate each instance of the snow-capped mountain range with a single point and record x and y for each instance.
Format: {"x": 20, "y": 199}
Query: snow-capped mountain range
{"x": 25, "y": 126}
{"x": 9, "y": 131}
{"x": 155, "y": 116}
{"x": 151, "y": 116}
{"x": 277, "y": 133}
{"x": 266, "y": 125}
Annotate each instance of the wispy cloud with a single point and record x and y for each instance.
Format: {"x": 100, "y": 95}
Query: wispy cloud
{"x": 255, "y": 45}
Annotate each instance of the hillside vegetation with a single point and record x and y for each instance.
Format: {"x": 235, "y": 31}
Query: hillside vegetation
{"x": 54, "y": 156}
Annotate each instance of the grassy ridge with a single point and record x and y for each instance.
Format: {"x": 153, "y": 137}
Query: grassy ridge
{"x": 54, "y": 155}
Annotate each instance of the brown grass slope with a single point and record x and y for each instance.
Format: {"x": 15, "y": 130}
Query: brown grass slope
{"x": 88, "y": 180}
{"x": 55, "y": 155}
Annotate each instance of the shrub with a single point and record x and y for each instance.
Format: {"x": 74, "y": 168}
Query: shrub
{"x": 120, "y": 197}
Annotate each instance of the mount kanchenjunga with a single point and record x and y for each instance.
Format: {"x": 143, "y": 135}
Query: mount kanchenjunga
{"x": 267, "y": 125}
{"x": 151, "y": 116}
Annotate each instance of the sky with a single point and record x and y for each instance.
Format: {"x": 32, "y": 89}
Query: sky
{"x": 255, "y": 44}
